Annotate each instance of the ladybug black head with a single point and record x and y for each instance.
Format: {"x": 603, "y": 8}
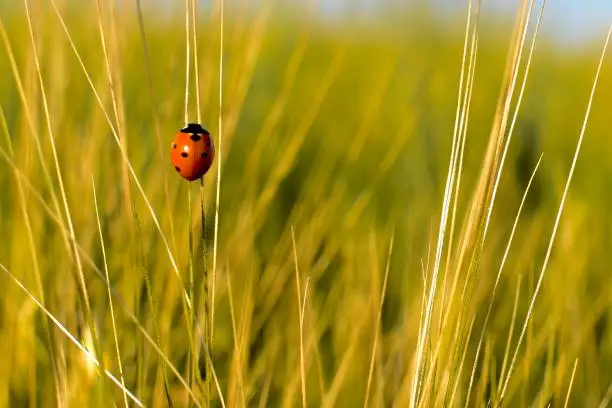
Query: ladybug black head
{"x": 194, "y": 128}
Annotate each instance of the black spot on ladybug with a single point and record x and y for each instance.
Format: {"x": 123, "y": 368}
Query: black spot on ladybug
{"x": 174, "y": 145}
{"x": 184, "y": 154}
{"x": 177, "y": 168}
{"x": 195, "y": 137}
{"x": 204, "y": 154}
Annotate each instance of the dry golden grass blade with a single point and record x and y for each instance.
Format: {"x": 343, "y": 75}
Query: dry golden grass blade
{"x": 219, "y": 159}
{"x": 112, "y": 85}
{"x": 378, "y": 322}
{"x": 54, "y": 358}
{"x": 123, "y": 152}
{"x": 237, "y": 347}
{"x": 227, "y": 122}
{"x": 458, "y": 162}
{"x": 88, "y": 354}
{"x": 301, "y": 320}
{"x": 460, "y": 370}
{"x": 508, "y": 137}
{"x": 130, "y": 207}
{"x": 498, "y": 277}
{"x": 187, "y": 61}
{"x": 513, "y": 320}
{"x": 30, "y": 122}
{"x": 427, "y": 382}
{"x": 518, "y": 44}
{"x": 110, "y": 297}
{"x": 559, "y": 212}
{"x": 569, "y": 389}
{"x": 498, "y": 129}
{"x": 155, "y": 114}
{"x": 195, "y": 59}
{"x": 489, "y": 167}
{"x": 89, "y": 261}
{"x": 606, "y": 398}
{"x": 216, "y": 379}
{"x": 80, "y": 276}
{"x": 524, "y": 16}
{"x": 450, "y": 179}
{"x": 185, "y": 302}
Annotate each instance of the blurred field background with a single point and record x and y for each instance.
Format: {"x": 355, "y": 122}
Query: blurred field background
{"x": 336, "y": 142}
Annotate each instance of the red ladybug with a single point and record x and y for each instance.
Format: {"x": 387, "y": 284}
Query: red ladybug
{"x": 192, "y": 152}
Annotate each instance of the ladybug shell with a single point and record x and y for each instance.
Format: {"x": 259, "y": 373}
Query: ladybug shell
{"x": 192, "y": 152}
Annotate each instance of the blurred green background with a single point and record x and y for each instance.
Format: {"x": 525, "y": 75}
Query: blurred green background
{"x": 337, "y": 128}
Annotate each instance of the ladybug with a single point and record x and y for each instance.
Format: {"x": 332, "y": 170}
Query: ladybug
{"x": 192, "y": 152}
